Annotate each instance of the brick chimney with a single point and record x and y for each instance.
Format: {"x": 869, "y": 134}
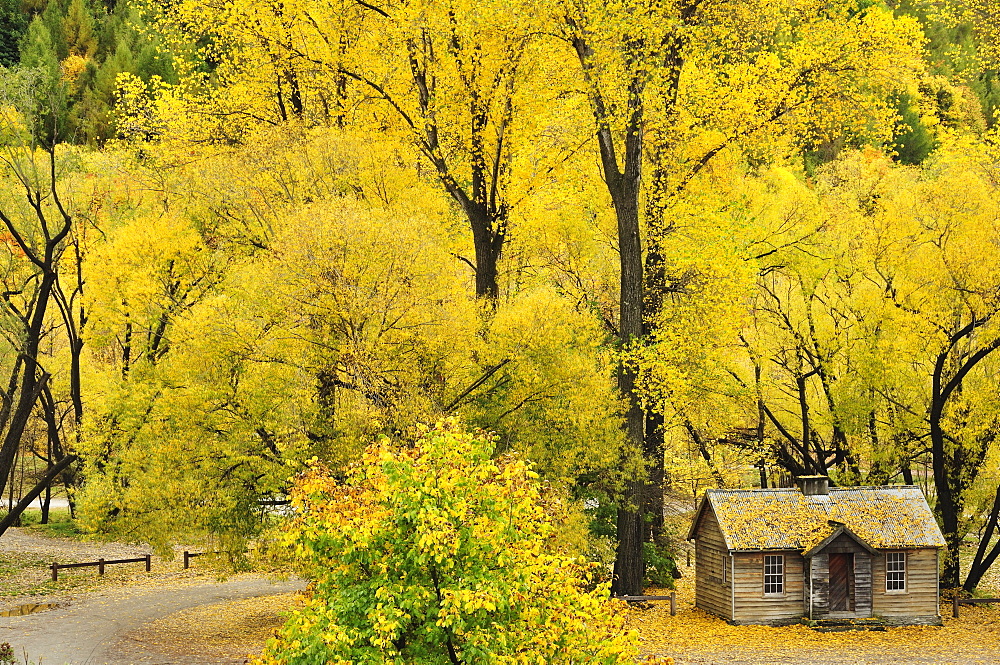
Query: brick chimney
{"x": 812, "y": 485}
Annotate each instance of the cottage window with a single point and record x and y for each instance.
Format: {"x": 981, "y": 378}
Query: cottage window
{"x": 774, "y": 574}
{"x": 725, "y": 568}
{"x": 895, "y": 571}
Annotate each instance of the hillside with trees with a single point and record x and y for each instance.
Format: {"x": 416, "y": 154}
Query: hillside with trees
{"x": 645, "y": 248}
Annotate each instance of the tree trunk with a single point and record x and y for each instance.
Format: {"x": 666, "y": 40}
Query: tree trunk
{"x": 15, "y": 514}
{"x": 629, "y": 563}
{"x": 653, "y": 453}
{"x": 957, "y": 464}
{"x": 982, "y": 561}
{"x": 46, "y": 503}
{"x": 32, "y": 379}
{"x": 488, "y": 235}
{"x": 623, "y": 186}
{"x": 951, "y": 572}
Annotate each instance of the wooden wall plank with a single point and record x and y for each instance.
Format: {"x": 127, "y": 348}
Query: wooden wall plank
{"x": 920, "y": 598}
{"x": 711, "y": 593}
{"x": 752, "y": 606}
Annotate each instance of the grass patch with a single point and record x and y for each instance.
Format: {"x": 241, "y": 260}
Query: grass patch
{"x": 23, "y": 574}
{"x": 60, "y": 524}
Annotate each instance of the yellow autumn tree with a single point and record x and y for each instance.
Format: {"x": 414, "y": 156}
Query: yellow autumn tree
{"x": 460, "y": 82}
{"x": 438, "y": 552}
{"x": 674, "y": 85}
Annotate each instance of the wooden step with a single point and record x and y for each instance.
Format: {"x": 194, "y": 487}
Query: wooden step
{"x": 843, "y": 629}
{"x": 841, "y": 625}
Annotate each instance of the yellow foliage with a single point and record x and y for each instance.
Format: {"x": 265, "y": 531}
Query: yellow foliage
{"x": 437, "y": 551}
{"x": 71, "y": 68}
{"x": 788, "y": 519}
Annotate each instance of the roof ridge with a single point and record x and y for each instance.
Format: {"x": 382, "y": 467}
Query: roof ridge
{"x": 875, "y": 487}
{"x": 752, "y": 489}
{"x": 795, "y": 489}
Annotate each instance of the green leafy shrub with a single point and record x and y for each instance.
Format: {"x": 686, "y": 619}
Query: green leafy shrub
{"x": 660, "y": 566}
{"x": 437, "y": 553}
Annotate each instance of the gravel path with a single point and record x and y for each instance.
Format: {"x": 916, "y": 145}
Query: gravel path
{"x": 88, "y": 631}
{"x": 119, "y": 619}
{"x": 26, "y": 542}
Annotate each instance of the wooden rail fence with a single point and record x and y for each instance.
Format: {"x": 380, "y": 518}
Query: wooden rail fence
{"x": 100, "y": 563}
{"x": 190, "y": 555}
{"x": 642, "y": 599}
{"x": 956, "y": 602}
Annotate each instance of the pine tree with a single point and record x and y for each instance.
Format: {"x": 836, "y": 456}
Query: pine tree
{"x": 13, "y": 24}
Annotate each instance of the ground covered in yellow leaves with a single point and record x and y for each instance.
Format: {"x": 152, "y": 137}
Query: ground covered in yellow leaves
{"x": 696, "y": 637}
{"x": 218, "y": 633}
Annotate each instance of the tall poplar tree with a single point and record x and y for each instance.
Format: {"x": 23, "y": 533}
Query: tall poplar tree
{"x": 672, "y": 85}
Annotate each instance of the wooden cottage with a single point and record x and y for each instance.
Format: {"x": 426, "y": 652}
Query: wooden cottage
{"x": 775, "y": 556}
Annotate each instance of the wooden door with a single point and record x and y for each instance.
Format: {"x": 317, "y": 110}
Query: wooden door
{"x": 841, "y": 582}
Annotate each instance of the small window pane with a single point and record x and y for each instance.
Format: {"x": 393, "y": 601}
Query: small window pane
{"x": 895, "y": 571}
{"x": 774, "y": 574}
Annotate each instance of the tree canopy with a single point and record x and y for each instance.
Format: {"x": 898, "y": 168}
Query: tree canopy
{"x": 650, "y": 247}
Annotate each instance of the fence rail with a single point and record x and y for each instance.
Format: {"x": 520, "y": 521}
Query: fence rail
{"x": 956, "y": 602}
{"x": 100, "y": 564}
{"x": 190, "y": 555}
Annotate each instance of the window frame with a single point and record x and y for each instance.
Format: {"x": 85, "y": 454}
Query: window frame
{"x": 776, "y": 575}
{"x": 899, "y": 569}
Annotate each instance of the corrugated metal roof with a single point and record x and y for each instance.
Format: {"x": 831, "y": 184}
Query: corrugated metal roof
{"x": 885, "y": 517}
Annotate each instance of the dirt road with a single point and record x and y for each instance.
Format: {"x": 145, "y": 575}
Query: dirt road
{"x": 106, "y": 628}
{"x": 169, "y": 615}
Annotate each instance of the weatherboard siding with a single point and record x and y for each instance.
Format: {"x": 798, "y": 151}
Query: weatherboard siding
{"x": 752, "y": 606}
{"x": 711, "y": 593}
{"x": 920, "y": 598}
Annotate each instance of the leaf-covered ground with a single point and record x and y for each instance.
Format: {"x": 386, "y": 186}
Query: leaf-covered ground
{"x": 694, "y": 637}
{"x": 27, "y": 553}
{"x": 225, "y": 632}
{"x": 217, "y": 633}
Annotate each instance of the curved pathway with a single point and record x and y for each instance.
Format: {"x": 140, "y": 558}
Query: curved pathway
{"x": 86, "y": 630}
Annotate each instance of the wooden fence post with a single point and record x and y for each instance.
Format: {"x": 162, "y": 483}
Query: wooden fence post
{"x": 673, "y": 603}
{"x": 148, "y": 561}
{"x": 954, "y": 606}
{"x": 187, "y": 558}
{"x": 55, "y": 572}
{"x": 100, "y": 566}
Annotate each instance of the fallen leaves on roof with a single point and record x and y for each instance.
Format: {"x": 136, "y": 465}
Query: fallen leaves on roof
{"x": 786, "y": 519}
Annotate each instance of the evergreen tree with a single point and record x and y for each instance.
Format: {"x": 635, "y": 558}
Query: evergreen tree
{"x": 914, "y": 142}
{"x": 78, "y": 30}
{"x": 13, "y": 24}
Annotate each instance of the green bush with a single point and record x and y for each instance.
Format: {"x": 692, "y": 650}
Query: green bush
{"x": 437, "y": 554}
